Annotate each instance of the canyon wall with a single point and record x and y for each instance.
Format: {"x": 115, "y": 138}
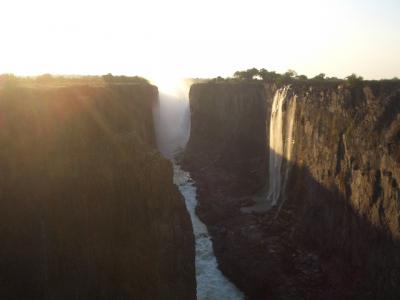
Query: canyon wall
{"x": 88, "y": 206}
{"x": 228, "y": 130}
{"x": 344, "y": 185}
{"x": 335, "y": 230}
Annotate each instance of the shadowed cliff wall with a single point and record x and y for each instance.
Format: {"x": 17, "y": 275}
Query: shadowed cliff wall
{"x": 342, "y": 190}
{"x": 87, "y": 204}
{"x": 348, "y": 142}
{"x": 228, "y": 132}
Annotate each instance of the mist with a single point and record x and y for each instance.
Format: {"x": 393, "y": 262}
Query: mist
{"x": 172, "y": 118}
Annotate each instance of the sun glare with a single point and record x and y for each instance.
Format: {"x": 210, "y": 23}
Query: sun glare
{"x": 177, "y": 37}
{"x": 172, "y": 86}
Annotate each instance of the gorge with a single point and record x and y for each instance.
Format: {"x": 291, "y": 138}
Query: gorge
{"x": 200, "y": 150}
{"x": 234, "y": 189}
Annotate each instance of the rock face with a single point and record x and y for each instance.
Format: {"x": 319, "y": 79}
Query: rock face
{"x": 335, "y": 232}
{"x": 88, "y": 206}
{"x": 346, "y": 180}
{"x": 228, "y": 132}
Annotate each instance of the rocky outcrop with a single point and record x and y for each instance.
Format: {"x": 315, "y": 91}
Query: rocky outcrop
{"x": 88, "y": 206}
{"x": 335, "y": 232}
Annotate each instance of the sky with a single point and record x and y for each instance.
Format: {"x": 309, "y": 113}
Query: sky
{"x": 164, "y": 40}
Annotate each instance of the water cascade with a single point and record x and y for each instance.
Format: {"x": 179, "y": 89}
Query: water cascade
{"x": 172, "y": 124}
{"x": 280, "y": 142}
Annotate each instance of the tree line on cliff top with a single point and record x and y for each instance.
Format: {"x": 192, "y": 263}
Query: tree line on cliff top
{"x": 291, "y": 76}
{"x": 10, "y": 80}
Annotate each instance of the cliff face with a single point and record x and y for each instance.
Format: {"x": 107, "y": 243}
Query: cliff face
{"x": 335, "y": 231}
{"x": 345, "y": 181}
{"x": 228, "y": 132}
{"x": 87, "y": 204}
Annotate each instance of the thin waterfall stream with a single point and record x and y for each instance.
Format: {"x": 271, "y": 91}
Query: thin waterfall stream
{"x": 276, "y": 145}
{"x": 280, "y": 147}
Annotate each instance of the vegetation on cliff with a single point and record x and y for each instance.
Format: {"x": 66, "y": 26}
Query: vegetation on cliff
{"x": 11, "y": 80}
{"x": 293, "y": 78}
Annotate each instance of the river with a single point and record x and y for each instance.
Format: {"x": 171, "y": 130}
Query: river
{"x": 211, "y": 283}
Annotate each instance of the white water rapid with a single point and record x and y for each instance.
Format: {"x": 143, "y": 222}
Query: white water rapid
{"x": 211, "y": 283}
{"x": 172, "y": 122}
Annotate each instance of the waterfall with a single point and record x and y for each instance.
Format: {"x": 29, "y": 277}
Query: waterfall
{"x": 289, "y": 129}
{"x": 276, "y": 146}
{"x": 280, "y": 142}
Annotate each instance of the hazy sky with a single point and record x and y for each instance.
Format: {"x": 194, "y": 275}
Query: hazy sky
{"x": 184, "y": 38}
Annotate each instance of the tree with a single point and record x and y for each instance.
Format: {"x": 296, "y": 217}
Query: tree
{"x": 263, "y": 73}
{"x": 301, "y": 77}
{"x": 320, "y": 76}
{"x": 119, "y": 79}
{"x": 290, "y": 73}
{"x": 108, "y": 78}
{"x": 268, "y": 76}
{"x": 248, "y": 74}
{"x": 354, "y": 80}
